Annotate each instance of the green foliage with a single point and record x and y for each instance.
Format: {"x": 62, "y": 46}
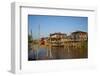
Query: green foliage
{"x": 30, "y": 39}
{"x": 84, "y": 44}
{"x": 84, "y": 49}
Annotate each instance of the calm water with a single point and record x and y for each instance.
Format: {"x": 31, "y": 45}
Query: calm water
{"x": 57, "y": 53}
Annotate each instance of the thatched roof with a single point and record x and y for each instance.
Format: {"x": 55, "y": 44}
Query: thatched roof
{"x": 58, "y": 33}
{"x": 78, "y": 32}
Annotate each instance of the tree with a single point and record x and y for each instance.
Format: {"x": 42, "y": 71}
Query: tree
{"x": 30, "y": 39}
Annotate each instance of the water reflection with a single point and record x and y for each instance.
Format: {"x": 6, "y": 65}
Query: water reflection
{"x": 44, "y": 53}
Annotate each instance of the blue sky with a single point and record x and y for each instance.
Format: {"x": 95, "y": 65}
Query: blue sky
{"x": 52, "y": 24}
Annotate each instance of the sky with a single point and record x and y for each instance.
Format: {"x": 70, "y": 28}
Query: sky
{"x": 52, "y": 24}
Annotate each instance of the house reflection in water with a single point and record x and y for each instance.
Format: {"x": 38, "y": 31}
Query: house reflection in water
{"x": 60, "y": 46}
